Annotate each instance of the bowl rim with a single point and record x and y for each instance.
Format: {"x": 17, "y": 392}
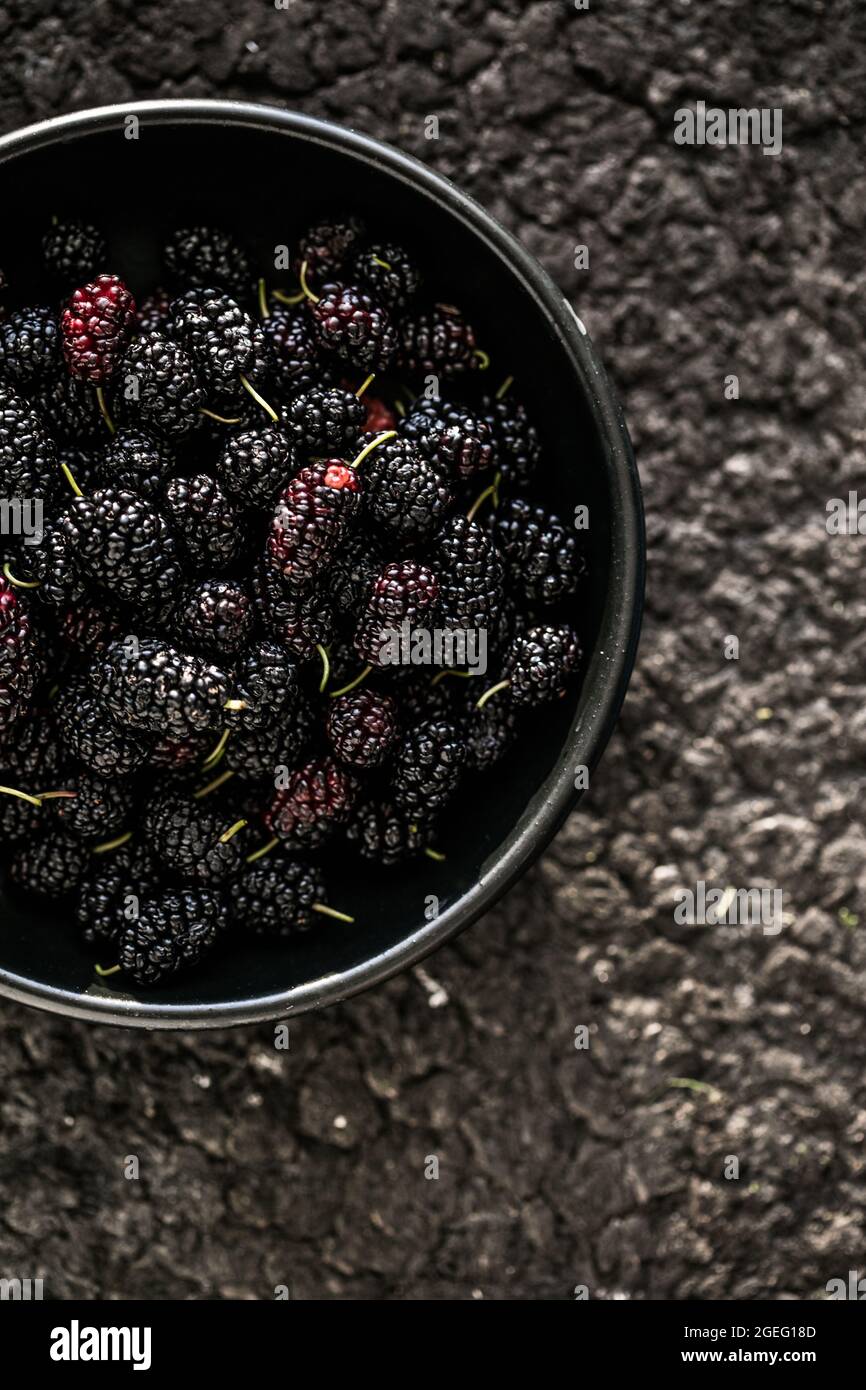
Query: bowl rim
{"x": 614, "y": 655}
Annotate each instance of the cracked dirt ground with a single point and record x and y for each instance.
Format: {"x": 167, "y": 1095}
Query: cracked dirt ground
{"x": 558, "y": 1167}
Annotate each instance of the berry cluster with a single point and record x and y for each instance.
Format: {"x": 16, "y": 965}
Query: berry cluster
{"x": 209, "y": 669}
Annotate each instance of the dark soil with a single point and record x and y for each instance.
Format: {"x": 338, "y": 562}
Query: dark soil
{"x": 557, "y": 1167}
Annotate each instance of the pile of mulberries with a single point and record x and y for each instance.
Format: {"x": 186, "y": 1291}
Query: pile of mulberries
{"x": 279, "y": 584}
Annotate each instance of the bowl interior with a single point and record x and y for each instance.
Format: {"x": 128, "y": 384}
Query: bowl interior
{"x": 266, "y": 185}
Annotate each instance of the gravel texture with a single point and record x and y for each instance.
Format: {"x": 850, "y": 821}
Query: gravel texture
{"x": 558, "y": 1167}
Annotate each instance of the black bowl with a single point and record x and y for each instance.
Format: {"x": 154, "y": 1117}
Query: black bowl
{"x": 264, "y": 173}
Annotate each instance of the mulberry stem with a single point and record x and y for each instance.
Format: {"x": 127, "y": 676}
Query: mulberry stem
{"x": 67, "y": 473}
{"x": 103, "y": 410}
{"x": 308, "y": 293}
{"x": 465, "y": 675}
{"x": 374, "y": 444}
{"x": 504, "y": 388}
{"x": 213, "y": 758}
{"x": 435, "y": 854}
{"x": 491, "y": 491}
{"x": 291, "y": 299}
{"x": 248, "y": 386}
{"x": 265, "y": 849}
{"x": 362, "y": 388}
{"x": 264, "y": 311}
{"x": 483, "y": 359}
{"x": 344, "y": 690}
{"x": 221, "y": 419}
{"x": 112, "y": 844}
{"x": 326, "y": 667}
{"x": 25, "y": 796}
{"x": 232, "y": 831}
{"x": 212, "y": 786}
{"x": 332, "y": 912}
{"x": 112, "y": 970}
{"x": 20, "y": 583}
{"x": 501, "y": 685}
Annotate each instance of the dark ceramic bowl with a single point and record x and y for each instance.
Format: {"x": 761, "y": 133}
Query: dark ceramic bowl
{"x": 264, "y": 173}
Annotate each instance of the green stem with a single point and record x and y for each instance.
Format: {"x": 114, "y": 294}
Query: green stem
{"x": 20, "y": 583}
{"x": 501, "y": 685}
{"x": 221, "y": 419}
{"x": 490, "y": 491}
{"x": 212, "y": 786}
{"x": 265, "y": 849}
{"x": 374, "y": 444}
{"x": 344, "y": 690}
{"x": 213, "y": 758}
{"x": 449, "y": 671}
{"x": 304, "y": 286}
{"x": 24, "y": 796}
{"x": 232, "y": 831}
{"x": 103, "y": 410}
{"x": 326, "y": 667}
{"x": 67, "y": 473}
{"x": 248, "y": 386}
{"x": 112, "y": 844}
{"x": 332, "y": 912}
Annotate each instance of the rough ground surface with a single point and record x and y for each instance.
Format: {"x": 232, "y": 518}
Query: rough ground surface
{"x": 557, "y": 1167}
